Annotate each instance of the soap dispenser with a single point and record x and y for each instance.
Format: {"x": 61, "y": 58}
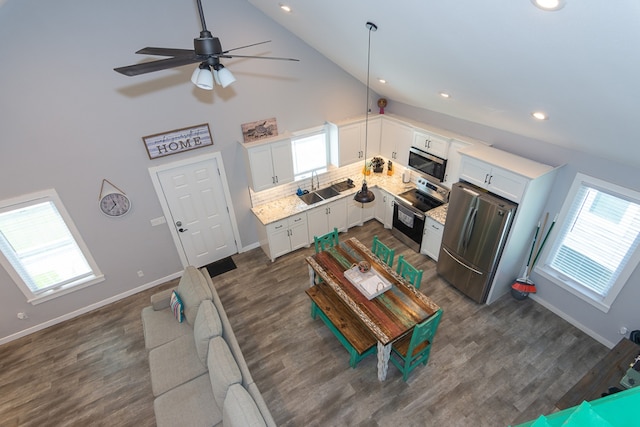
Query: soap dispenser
{"x": 389, "y": 168}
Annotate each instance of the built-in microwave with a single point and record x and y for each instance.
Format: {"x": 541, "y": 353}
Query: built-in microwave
{"x": 427, "y": 164}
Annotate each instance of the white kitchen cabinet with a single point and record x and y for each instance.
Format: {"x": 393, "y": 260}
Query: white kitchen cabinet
{"x": 432, "y": 238}
{"x": 454, "y": 159}
{"x": 354, "y": 213}
{"x": 383, "y": 207}
{"x": 269, "y": 164}
{"x": 324, "y": 218}
{"x": 395, "y": 141}
{"x": 431, "y": 143}
{"x": 349, "y": 146}
{"x": 497, "y": 180}
{"x": 281, "y": 237}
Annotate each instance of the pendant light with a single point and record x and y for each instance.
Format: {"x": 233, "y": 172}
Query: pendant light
{"x": 365, "y": 195}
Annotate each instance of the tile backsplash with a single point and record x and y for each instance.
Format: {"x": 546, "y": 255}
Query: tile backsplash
{"x": 353, "y": 171}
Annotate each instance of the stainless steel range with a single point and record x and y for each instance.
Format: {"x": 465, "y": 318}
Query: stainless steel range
{"x": 409, "y": 211}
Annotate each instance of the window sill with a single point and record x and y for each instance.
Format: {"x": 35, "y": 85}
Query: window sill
{"x": 574, "y": 289}
{"x": 71, "y": 287}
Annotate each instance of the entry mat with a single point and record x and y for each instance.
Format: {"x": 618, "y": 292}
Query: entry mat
{"x": 221, "y": 266}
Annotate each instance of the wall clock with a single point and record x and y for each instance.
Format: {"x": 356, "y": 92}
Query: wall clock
{"x": 114, "y": 203}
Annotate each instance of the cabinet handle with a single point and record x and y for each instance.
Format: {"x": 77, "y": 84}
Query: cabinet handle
{"x": 486, "y": 177}
{"x": 490, "y": 176}
{"x": 297, "y": 220}
{"x": 278, "y": 226}
{"x": 273, "y": 179}
{"x": 276, "y": 179}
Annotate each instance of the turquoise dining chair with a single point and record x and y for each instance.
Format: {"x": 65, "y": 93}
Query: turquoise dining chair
{"x": 409, "y": 272}
{"x": 382, "y": 251}
{"x": 325, "y": 241}
{"x": 414, "y": 348}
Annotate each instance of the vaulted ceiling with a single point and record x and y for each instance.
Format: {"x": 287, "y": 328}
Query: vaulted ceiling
{"x": 500, "y": 60}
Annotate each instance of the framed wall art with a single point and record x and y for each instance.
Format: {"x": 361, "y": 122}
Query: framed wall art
{"x": 261, "y": 129}
{"x": 177, "y": 141}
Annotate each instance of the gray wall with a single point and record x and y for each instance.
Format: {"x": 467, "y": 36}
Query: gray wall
{"x": 624, "y": 311}
{"x": 68, "y": 121}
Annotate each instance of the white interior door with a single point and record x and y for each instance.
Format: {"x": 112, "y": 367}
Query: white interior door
{"x": 199, "y": 214}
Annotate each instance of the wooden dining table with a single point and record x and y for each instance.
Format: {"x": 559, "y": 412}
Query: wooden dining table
{"x": 389, "y": 315}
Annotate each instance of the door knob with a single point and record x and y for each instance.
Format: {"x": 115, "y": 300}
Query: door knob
{"x": 182, "y": 230}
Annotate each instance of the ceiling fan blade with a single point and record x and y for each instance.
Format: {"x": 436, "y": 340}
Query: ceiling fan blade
{"x": 249, "y": 45}
{"x": 163, "y": 51}
{"x": 257, "y": 57}
{"x": 162, "y": 64}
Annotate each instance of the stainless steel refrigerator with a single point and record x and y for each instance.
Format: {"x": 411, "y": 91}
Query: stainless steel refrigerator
{"x": 474, "y": 235}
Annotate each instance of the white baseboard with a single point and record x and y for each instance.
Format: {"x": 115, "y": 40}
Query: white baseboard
{"x": 573, "y": 321}
{"x": 88, "y": 308}
{"x": 249, "y": 247}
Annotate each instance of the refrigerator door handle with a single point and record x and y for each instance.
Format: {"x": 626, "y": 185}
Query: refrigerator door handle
{"x": 470, "y": 227}
{"x": 461, "y": 263}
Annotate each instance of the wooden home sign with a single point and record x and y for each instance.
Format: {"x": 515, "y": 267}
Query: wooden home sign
{"x": 177, "y": 141}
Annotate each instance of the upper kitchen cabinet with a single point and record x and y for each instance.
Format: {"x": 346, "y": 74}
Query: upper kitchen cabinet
{"x": 269, "y": 163}
{"x": 395, "y": 140}
{"x": 347, "y": 141}
{"x": 499, "y": 172}
{"x": 431, "y": 143}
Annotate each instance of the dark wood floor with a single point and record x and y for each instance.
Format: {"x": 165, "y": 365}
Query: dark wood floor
{"x": 490, "y": 365}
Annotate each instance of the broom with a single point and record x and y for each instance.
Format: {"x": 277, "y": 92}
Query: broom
{"x": 523, "y": 284}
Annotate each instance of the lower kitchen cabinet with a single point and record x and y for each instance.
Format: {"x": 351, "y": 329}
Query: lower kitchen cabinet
{"x": 325, "y": 218}
{"x": 432, "y": 238}
{"x": 281, "y": 237}
{"x": 383, "y": 207}
{"x": 359, "y": 213}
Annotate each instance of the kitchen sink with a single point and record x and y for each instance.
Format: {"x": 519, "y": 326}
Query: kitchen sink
{"x": 311, "y": 198}
{"x": 319, "y": 195}
{"x": 327, "y": 193}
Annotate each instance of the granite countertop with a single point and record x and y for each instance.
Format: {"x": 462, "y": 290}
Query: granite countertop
{"x": 439, "y": 214}
{"x": 291, "y": 205}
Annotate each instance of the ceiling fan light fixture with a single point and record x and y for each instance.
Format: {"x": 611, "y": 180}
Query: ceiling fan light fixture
{"x": 202, "y": 77}
{"x": 549, "y": 5}
{"x": 223, "y": 76}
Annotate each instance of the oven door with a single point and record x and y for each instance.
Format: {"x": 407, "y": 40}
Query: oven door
{"x": 408, "y": 225}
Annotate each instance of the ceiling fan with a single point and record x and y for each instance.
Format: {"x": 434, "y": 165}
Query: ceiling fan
{"x": 207, "y": 50}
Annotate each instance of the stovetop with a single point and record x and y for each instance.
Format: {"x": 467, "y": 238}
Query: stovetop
{"x": 426, "y": 195}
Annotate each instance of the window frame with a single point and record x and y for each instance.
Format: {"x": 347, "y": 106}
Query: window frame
{"x": 318, "y": 130}
{"x": 577, "y": 289}
{"x": 49, "y": 195}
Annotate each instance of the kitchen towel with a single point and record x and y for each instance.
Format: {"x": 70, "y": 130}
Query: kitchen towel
{"x": 405, "y": 216}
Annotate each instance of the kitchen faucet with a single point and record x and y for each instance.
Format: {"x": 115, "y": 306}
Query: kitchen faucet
{"x": 317, "y": 181}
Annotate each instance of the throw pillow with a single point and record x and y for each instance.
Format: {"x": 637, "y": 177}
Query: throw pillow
{"x": 176, "y": 306}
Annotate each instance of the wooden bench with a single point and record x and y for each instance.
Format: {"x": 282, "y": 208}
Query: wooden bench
{"x": 346, "y": 326}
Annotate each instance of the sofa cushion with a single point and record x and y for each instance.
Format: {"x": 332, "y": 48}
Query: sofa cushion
{"x": 176, "y": 306}
{"x": 239, "y": 409}
{"x": 206, "y": 326}
{"x": 160, "y": 327}
{"x": 190, "y": 404}
{"x": 192, "y": 289}
{"x": 174, "y": 363}
{"x": 223, "y": 369}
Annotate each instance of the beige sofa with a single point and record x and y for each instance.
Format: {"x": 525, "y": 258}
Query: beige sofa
{"x": 198, "y": 374}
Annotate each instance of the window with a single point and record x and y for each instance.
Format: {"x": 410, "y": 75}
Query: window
{"x": 42, "y": 250}
{"x": 309, "y": 152}
{"x": 596, "y": 247}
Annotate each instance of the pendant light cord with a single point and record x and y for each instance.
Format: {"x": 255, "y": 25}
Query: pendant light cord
{"x": 372, "y": 27}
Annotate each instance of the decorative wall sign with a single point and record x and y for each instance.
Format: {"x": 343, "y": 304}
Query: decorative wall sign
{"x": 177, "y": 141}
{"x": 259, "y": 130}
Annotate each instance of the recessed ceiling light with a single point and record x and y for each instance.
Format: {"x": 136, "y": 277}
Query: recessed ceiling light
{"x": 285, "y": 7}
{"x": 383, "y": 81}
{"x": 539, "y": 115}
{"x": 445, "y": 95}
{"x": 549, "y": 5}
